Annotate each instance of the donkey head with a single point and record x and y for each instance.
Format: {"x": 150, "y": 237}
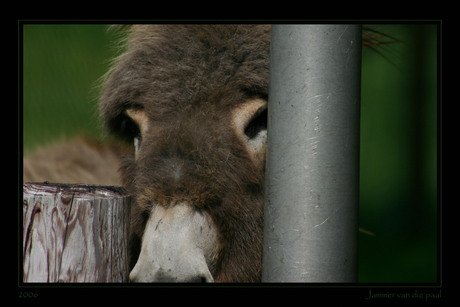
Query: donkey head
{"x": 192, "y": 100}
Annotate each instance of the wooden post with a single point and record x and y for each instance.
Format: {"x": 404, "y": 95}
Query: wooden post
{"x": 75, "y": 233}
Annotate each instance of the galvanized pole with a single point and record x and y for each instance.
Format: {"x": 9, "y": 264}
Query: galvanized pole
{"x": 312, "y": 176}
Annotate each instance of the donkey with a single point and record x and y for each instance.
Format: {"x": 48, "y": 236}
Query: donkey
{"x": 192, "y": 99}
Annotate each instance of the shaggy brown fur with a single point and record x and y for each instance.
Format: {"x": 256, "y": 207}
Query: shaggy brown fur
{"x": 188, "y": 79}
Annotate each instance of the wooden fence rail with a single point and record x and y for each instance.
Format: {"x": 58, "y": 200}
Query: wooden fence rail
{"x": 75, "y": 233}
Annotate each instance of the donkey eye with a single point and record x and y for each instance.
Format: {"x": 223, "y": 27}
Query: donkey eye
{"x": 257, "y": 124}
{"x": 249, "y": 121}
{"x": 129, "y": 129}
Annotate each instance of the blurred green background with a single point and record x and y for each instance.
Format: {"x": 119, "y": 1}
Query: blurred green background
{"x": 398, "y": 169}
{"x": 61, "y": 68}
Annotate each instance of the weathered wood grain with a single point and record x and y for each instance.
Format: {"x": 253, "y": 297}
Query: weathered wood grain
{"x": 75, "y": 233}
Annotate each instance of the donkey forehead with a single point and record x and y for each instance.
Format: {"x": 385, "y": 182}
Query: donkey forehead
{"x": 159, "y": 69}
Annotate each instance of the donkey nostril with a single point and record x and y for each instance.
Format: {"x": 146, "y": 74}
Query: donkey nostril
{"x": 206, "y": 279}
{"x": 200, "y": 279}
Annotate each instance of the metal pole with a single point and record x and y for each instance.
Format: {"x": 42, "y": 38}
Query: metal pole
{"x": 312, "y": 176}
